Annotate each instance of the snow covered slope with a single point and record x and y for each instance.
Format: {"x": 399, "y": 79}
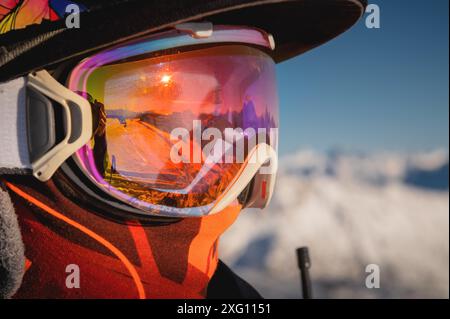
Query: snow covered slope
{"x": 351, "y": 210}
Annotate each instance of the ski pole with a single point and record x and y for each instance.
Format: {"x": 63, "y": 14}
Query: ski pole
{"x": 304, "y": 264}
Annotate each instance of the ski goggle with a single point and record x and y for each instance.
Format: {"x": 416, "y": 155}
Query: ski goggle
{"x": 184, "y": 122}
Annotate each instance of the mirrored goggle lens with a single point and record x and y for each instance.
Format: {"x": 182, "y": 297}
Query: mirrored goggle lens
{"x": 174, "y": 131}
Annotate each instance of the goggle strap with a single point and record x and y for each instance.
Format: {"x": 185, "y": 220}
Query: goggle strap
{"x": 28, "y": 127}
{"x": 14, "y": 153}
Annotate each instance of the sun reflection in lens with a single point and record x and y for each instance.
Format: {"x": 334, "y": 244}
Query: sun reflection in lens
{"x": 165, "y": 79}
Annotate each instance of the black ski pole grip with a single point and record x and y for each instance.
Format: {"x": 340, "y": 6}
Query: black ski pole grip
{"x": 304, "y": 263}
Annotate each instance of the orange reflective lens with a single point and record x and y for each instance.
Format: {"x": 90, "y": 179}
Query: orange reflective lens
{"x": 173, "y": 130}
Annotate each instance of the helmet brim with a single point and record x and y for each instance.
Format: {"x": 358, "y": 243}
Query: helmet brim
{"x": 297, "y": 26}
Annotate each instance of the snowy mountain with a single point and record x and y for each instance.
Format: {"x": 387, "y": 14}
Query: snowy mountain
{"x": 351, "y": 210}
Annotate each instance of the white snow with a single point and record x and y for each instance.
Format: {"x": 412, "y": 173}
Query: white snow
{"x": 351, "y": 210}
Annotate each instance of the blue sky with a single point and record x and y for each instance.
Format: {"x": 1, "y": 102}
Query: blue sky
{"x": 372, "y": 89}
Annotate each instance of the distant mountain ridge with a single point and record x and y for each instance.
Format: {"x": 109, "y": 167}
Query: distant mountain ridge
{"x": 424, "y": 170}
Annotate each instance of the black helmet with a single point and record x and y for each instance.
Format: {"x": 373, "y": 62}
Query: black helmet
{"x": 297, "y": 25}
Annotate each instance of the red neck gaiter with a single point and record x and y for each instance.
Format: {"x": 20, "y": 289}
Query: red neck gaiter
{"x": 114, "y": 260}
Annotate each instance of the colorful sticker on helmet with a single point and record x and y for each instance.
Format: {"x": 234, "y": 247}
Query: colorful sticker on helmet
{"x": 18, "y": 14}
